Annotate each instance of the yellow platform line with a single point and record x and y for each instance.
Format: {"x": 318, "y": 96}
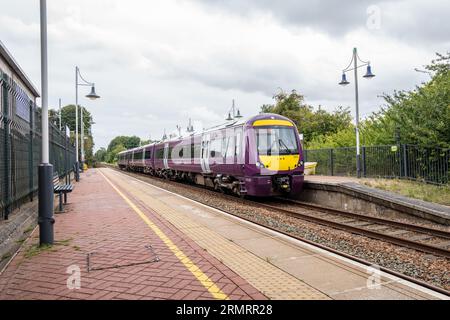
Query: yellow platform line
{"x": 196, "y": 271}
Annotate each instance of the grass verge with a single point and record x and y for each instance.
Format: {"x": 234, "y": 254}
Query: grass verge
{"x": 413, "y": 189}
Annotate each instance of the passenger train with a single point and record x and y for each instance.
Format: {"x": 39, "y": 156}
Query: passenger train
{"x": 258, "y": 156}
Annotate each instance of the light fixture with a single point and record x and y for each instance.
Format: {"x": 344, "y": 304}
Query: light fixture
{"x": 92, "y": 95}
{"x": 344, "y": 81}
{"x": 369, "y": 73}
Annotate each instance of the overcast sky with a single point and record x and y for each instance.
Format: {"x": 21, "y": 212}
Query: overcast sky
{"x": 157, "y": 63}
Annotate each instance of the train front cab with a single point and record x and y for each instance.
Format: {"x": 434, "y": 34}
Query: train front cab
{"x": 274, "y": 154}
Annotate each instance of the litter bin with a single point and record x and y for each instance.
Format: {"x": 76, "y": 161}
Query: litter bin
{"x": 310, "y": 168}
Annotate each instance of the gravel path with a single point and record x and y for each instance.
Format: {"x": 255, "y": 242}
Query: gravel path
{"x": 432, "y": 269}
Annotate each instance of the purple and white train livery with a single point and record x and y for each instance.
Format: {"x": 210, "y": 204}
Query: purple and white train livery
{"x": 258, "y": 156}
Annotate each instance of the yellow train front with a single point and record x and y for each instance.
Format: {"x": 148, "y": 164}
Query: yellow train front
{"x": 274, "y": 160}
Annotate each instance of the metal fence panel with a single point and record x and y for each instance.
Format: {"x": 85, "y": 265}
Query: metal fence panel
{"x": 20, "y": 147}
{"x": 430, "y": 164}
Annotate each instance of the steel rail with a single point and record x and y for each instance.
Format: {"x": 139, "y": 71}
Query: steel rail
{"x": 427, "y": 248}
{"x": 403, "y": 225}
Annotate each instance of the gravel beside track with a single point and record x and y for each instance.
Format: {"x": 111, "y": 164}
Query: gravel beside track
{"x": 425, "y": 267}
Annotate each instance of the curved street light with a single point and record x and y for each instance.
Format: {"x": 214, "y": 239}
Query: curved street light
{"x": 93, "y": 96}
{"x": 344, "y": 82}
{"x": 233, "y": 113}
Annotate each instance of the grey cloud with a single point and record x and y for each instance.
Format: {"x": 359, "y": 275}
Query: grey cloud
{"x": 333, "y": 17}
{"x": 406, "y": 20}
{"x": 412, "y": 21}
{"x": 230, "y": 69}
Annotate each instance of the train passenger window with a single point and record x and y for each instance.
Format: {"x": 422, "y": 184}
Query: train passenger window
{"x": 238, "y": 145}
{"x": 216, "y": 148}
{"x": 148, "y": 154}
{"x": 196, "y": 151}
{"x": 229, "y": 147}
{"x": 159, "y": 153}
{"x": 187, "y": 151}
{"x": 224, "y": 146}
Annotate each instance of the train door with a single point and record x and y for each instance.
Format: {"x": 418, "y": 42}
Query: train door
{"x": 228, "y": 151}
{"x": 238, "y": 147}
{"x": 166, "y": 156}
{"x": 204, "y": 162}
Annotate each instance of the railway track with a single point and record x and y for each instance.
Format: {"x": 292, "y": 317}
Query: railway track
{"x": 352, "y": 223}
{"x": 428, "y": 240}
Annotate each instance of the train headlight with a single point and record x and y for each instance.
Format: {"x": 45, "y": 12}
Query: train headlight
{"x": 300, "y": 163}
{"x": 260, "y": 165}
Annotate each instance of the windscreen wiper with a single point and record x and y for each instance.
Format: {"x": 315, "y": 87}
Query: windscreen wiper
{"x": 285, "y": 146}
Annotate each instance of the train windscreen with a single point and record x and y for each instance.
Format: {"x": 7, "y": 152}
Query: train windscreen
{"x": 276, "y": 141}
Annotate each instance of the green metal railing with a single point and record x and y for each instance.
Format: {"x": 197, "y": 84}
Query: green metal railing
{"x": 403, "y": 161}
{"x": 20, "y": 147}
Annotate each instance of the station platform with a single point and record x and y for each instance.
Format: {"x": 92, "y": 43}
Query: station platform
{"x": 122, "y": 238}
{"x": 344, "y": 192}
{"x": 329, "y": 179}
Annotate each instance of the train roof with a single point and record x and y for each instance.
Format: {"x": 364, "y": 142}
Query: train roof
{"x": 246, "y": 121}
{"x": 227, "y": 124}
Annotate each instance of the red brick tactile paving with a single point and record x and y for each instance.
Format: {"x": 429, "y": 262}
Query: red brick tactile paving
{"x": 98, "y": 220}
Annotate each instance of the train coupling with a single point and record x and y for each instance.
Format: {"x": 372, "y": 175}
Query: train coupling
{"x": 283, "y": 183}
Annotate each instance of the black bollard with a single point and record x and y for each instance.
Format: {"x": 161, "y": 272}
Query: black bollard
{"x": 45, "y": 219}
{"x": 77, "y": 171}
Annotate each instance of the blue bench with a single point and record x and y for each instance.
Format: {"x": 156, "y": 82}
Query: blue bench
{"x": 61, "y": 189}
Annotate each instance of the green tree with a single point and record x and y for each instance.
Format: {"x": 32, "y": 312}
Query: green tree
{"x": 128, "y": 142}
{"x": 68, "y": 118}
{"x": 422, "y": 116}
{"x": 121, "y": 143}
{"x": 312, "y": 123}
{"x": 100, "y": 155}
{"x": 111, "y": 156}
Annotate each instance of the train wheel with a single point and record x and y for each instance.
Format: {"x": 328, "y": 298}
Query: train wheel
{"x": 237, "y": 191}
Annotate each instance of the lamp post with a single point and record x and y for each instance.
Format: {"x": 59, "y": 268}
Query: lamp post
{"x": 60, "y": 127}
{"x": 233, "y": 112}
{"x": 344, "y": 82}
{"x": 92, "y": 95}
{"x": 45, "y": 170}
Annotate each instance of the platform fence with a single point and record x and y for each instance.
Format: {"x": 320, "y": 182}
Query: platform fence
{"x": 403, "y": 161}
{"x": 20, "y": 147}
